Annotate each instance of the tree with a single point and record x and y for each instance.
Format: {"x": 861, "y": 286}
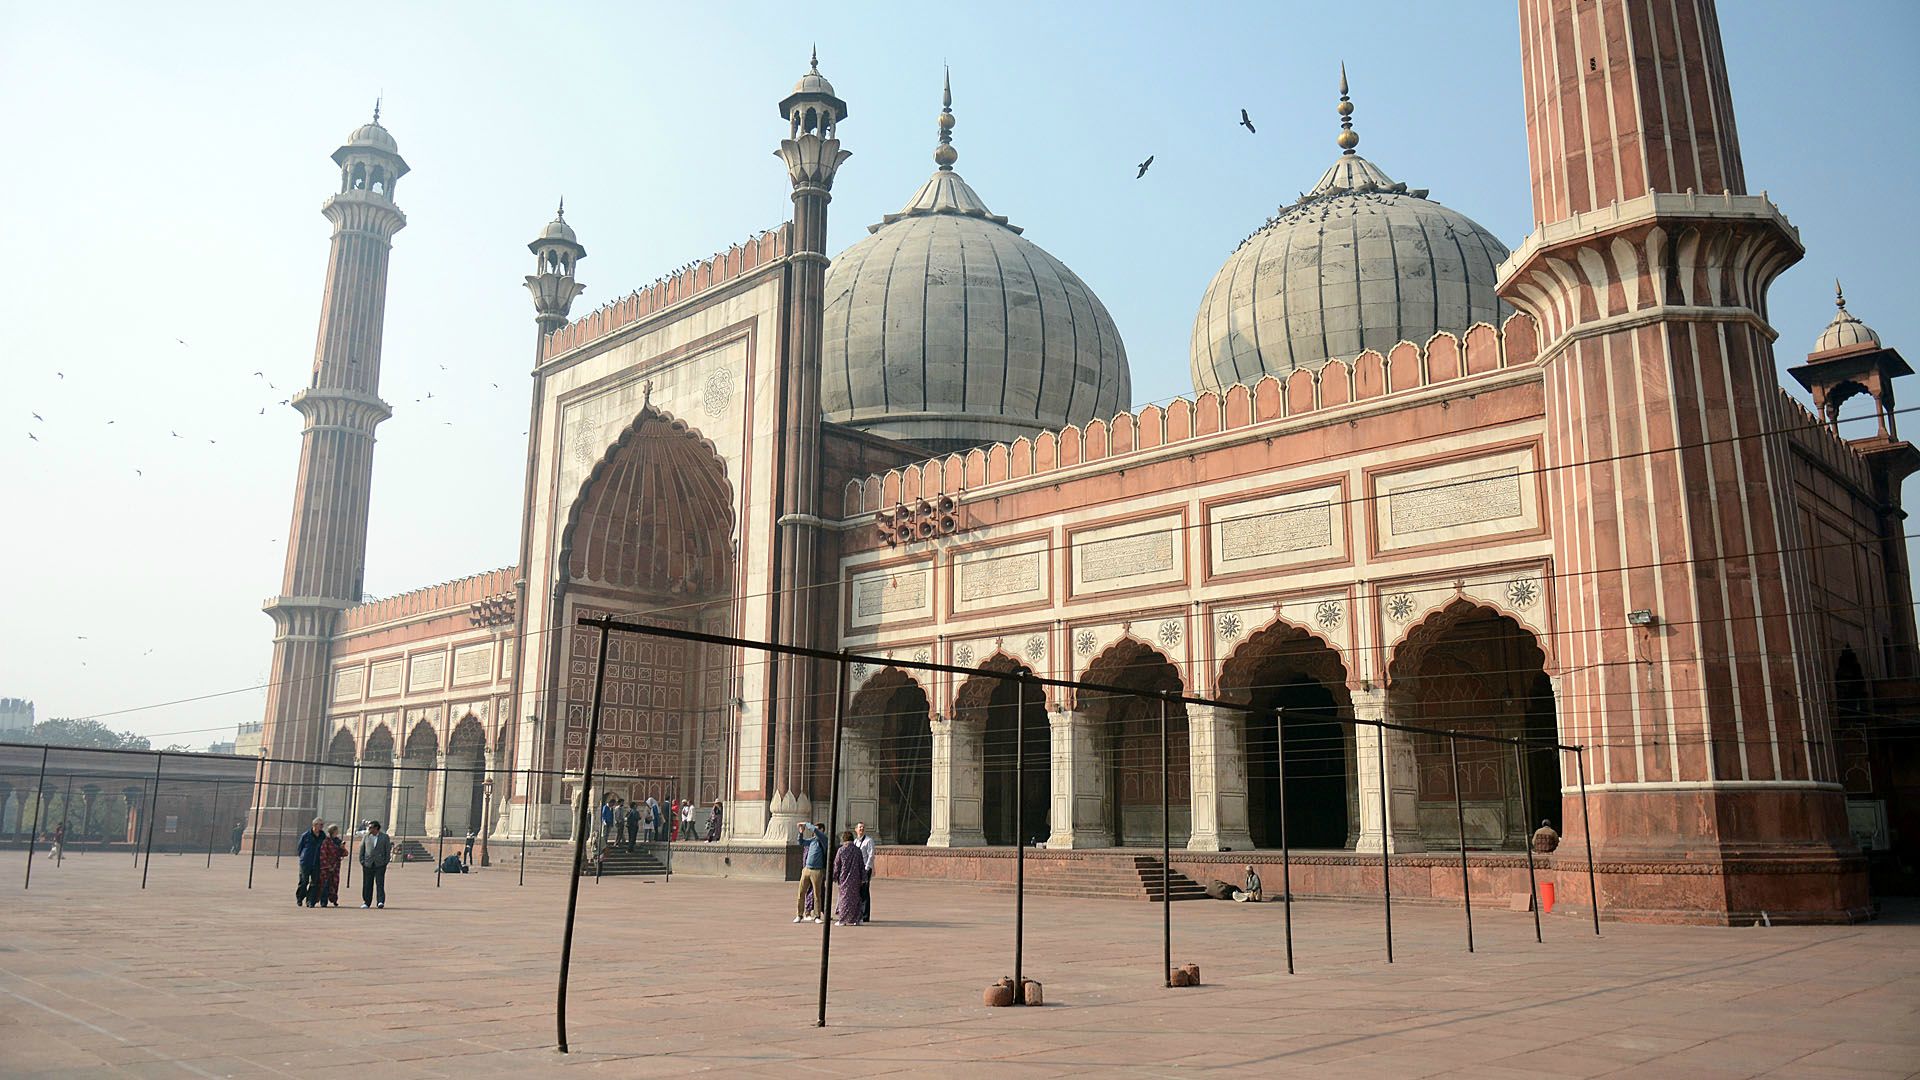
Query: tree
{"x": 90, "y": 734}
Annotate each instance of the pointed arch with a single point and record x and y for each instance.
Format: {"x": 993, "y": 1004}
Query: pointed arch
{"x": 1127, "y": 742}
{"x": 889, "y": 748}
{"x": 655, "y": 514}
{"x": 1288, "y": 675}
{"x": 1001, "y": 710}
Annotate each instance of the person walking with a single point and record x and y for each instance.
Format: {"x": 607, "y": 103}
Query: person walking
{"x": 239, "y": 830}
{"x": 606, "y": 820}
{"x": 59, "y": 849}
{"x": 308, "y": 891}
{"x": 633, "y": 825}
{"x": 850, "y": 871}
{"x": 673, "y": 820}
{"x": 864, "y": 841}
{"x": 466, "y": 855}
{"x": 686, "y": 820}
{"x": 375, "y": 852}
{"x": 813, "y": 875}
{"x": 713, "y": 823}
{"x": 653, "y": 819}
{"x": 331, "y": 852}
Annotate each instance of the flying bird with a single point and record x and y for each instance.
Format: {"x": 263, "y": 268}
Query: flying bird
{"x": 181, "y": 342}
{"x": 137, "y": 472}
{"x": 32, "y": 436}
{"x": 260, "y": 374}
{"x": 40, "y": 418}
{"x": 1246, "y": 122}
{"x": 176, "y": 434}
{"x": 263, "y": 410}
{"x": 62, "y": 374}
{"x": 1143, "y": 166}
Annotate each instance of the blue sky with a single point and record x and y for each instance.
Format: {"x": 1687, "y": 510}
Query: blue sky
{"x": 167, "y": 163}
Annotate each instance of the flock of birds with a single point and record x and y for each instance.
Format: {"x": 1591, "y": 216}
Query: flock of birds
{"x": 1245, "y": 122}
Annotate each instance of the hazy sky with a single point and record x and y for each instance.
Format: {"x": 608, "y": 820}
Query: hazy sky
{"x": 160, "y": 193}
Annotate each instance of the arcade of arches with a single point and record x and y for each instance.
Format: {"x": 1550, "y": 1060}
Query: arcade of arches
{"x": 652, "y": 534}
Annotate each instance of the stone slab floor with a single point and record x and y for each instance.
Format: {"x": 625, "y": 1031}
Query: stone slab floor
{"x": 197, "y": 976}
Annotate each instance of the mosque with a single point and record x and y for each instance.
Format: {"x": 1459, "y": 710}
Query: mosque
{"x": 1552, "y": 491}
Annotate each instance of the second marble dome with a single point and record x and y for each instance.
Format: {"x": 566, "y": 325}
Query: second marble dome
{"x": 947, "y": 328}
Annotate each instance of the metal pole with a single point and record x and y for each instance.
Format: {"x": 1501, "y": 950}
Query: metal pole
{"x": 259, "y": 787}
{"x": 405, "y": 790}
{"x": 213, "y": 821}
{"x": 1019, "y": 839}
{"x": 440, "y": 852}
{"x": 1460, "y": 819}
{"x": 133, "y": 847}
{"x": 526, "y": 821}
{"x": 35, "y": 840}
{"x": 580, "y": 839}
{"x": 833, "y": 822}
{"x": 1286, "y": 860}
{"x": 1586, "y": 831}
{"x": 1166, "y": 856}
{"x": 66, "y": 807}
{"x": 153, "y": 811}
{"x": 1533, "y": 887}
{"x": 280, "y": 843}
{"x": 1386, "y": 835}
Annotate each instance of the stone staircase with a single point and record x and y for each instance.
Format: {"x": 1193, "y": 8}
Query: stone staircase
{"x": 1096, "y": 877}
{"x": 410, "y": 851}
{"x": 557, "y": 858}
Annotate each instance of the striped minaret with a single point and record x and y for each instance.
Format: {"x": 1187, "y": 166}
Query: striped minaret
{"x": 340, "y": 407}
{"x": 1689, "y": 665}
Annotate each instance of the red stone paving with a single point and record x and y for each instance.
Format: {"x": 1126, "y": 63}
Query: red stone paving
{"x": 199, "y": 977}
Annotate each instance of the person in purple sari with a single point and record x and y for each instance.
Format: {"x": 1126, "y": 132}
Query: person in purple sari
{"x": 849, "y": 873}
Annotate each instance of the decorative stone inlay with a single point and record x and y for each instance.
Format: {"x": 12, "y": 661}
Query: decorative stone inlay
{"x": 963, "y": 656}
{"x": 1036, "y": 647}
{"x": 1328, "y": 614}
{"x": 1126, "y": 556}
{"x": 1084, "y": 641}
{"x": 717, "y": 395}
{"x": 349, "y": 683}
{"x": 1299, "y": 528}
{"x": 1230, "y": 626}
{"x": 1170, "y": 632}
{"x": 585, "y": 444}
{"x": 1522, "y": 592}
{"x": 893, "y": 592}
{"x": 1400, "y": 607}
{"x": 1449, "y": 503}
{"x": 921, "y": 656}
{"x": 860, "y": 672}
{"x": 1000, "y": 575}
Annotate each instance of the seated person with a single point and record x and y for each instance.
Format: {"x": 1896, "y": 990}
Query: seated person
{"x": 1249, "y": 889}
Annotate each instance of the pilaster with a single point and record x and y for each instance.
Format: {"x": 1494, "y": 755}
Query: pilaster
{"x": 958, "y": 772}
{"x": 1079, "y": 810}
{"x": 1217, "y": 760}
{"x": 1402, "y": 779}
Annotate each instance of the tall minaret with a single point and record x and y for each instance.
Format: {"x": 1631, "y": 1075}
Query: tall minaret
{"x": 556, "y": 254}
{"x": 812, "y": 155}
{"x": 340, "y": 407}
{"x": 1688, "y": 656}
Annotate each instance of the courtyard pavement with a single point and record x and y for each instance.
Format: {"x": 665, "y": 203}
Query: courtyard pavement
{"x": 197, "y": 976}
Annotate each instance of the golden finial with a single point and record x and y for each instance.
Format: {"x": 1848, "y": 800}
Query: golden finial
{"x": 945, "y": 155}
{"x": 1348, "y": 138}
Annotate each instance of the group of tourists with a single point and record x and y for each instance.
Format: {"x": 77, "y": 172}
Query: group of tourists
{"x": 321, "y": 852}
{"x": 852, "y": 876}
{"x": 627, "y": 825}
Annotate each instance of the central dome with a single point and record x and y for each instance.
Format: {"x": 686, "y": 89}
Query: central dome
{"x": 947, "y": 328}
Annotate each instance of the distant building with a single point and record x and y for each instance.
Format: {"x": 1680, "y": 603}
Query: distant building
{"x": 16, "y": 715}
{"x": 246, "y": 739}
{"x": 223, "y": 747}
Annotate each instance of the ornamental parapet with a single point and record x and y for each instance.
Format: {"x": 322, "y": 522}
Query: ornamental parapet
{"x": 1334, "y": 392}
{"x": 364, "y": 212}
{"x": 683, "y": 284}
{"x": 1659, "y": 257}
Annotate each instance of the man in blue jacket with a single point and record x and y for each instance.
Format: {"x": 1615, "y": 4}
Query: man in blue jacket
{"x": 813, "y": 872}
{"x": 308, "y": 891}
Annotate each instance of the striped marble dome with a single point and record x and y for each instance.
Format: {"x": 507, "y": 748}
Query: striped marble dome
{"x": 1360, "y": 262}
{"x": 947, "y": 328}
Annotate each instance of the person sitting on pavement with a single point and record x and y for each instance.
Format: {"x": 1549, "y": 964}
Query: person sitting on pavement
{"x": 1250, "y": 888}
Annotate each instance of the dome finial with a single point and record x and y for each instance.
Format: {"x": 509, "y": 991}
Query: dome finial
{"x": 945, "y": 155}
{"x": 1348, "y": 138}
{"x": 561, "y": 213}
{"x": 376, "y": 106}
{"x": 1839, "y": 298}
{"x": 813, "y": 61}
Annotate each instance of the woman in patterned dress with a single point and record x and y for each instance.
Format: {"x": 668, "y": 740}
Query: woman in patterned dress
{"x": 331, "y": 852}
{"x": 849, "y": 871}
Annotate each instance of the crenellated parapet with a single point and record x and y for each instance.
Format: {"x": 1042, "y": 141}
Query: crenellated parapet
{"x": 1658, "y": 256}
{"x": 1339, "y": 388}
{"x": 1819, "y": 441}
{"x": 683, "y": 284}
{"x": 475, "y": 589}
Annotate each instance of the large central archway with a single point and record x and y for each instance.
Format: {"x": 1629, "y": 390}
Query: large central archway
{"x": 997, "y": 706}
{"x": 651, "y": 533}
{"x": 888, "y": 752}
{"x": 1286, "y": 675}
{"x": 1128, "y": 742}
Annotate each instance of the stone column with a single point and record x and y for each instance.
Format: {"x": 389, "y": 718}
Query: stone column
{"x": 1217, "y": 763}
{"x": 859, "y": 781}
{"x": 1079, "y": 810}
{"x": 957, "y": 777}
{"x": 440, "y": 786}
{"x": 1403, "y": 789}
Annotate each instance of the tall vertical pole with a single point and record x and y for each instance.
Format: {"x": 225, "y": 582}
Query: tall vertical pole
{"x": 440, "y": 853}
{"x": 34, "y": 841}
{"x": 1586, "y": 831}
{"x": 833, "y": 822}
{"x": 213, "y": 822}
{"x": 66, "y": 805}
{"x": 259, "y": 787}
{"x": 1166, "y": 855}
{"x": 580, "y": 837}
{"x": 133, "y": 846}
{"x": 353, "y": 824}
{"x": 280, "y": 839}
{"x": 1386, "y": 836}
{"x": 1460, "y": 819}
{"x": 405, "y": 791}
{"x": 153, "y": 811}
{"x": 1019, "y": 839}
{"x": 526, "y": 820}
{"x": 1286, "y": 861}
{"x": 1526, "y": 815}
